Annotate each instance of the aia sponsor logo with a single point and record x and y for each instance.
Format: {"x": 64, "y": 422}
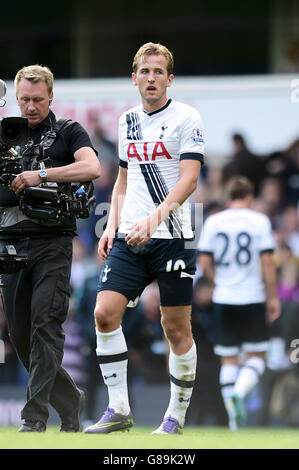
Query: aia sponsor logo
{"x": 148, "y": 151}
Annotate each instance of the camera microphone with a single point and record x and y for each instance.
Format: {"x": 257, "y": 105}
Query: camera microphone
{"x": 2, "y": 89}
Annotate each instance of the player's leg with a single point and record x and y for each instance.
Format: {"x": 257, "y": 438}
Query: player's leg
{"x": 112, "y": 351}
{"x": 250, "y": 373}
{"x": 255, "y": 345}
{"x": 122, "y": 280}
{"x": 182, "y": 365}
{"x": 248, "y": 376}
{"x": 112, "y": 355}
{"x": 234, "y": 406}
{"x": 227, "y": 319}
{"x": 175, "y": 266}
{"x": 176, "y": 322}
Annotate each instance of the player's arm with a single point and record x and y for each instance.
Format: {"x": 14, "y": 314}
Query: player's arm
{"x": 117, "y": 199}
{"x": 270, "y": 279}
{"x": 206, "y": 264}
{"x": 142, "y": 230}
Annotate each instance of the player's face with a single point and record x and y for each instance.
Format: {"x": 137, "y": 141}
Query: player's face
{"x": 33, "y": 99}
{"x": 152, "y": 80}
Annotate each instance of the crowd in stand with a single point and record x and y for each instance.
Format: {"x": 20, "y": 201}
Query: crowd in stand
{"x": 276, "y": 182}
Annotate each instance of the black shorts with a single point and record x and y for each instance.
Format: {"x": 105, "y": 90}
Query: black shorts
{"x": 128, "y": 270}
{"x": 240, "y": 327}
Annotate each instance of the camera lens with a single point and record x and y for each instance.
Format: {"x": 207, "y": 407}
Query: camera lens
{"x": 14, "y": 131}
{"x": 11, "y": 131}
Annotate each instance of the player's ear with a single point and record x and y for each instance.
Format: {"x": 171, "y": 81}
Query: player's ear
{"x": 134, "y": 79}
{"x": 170, "y": 79}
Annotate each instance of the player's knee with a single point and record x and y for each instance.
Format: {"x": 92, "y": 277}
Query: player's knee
{"x": 173, "y": 332}
{"x": 106, "y": 318}
{"x": 103, "y": 319}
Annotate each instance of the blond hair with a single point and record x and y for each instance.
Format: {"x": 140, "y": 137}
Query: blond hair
{"x": 35, "y": 73}
{"x": 239, "y": 187}
{"x": 151, "y": 48}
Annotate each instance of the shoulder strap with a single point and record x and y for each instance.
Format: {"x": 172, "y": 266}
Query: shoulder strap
{"x": 60, "y": 123}
{"x": 50, "y": 136}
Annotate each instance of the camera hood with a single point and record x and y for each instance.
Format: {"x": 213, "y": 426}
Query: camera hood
{"x": 14, "y": 131}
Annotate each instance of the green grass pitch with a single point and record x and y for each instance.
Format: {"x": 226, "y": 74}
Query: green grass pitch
{"x": 141, "y": 438}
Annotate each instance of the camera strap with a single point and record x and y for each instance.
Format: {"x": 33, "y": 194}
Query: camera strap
{"x": 49, "y": 136}
{"x": 47, "y": 139}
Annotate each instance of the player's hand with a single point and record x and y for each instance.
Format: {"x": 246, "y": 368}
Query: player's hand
{"x": 106, "y": 243}
{"x": 25, "y": 179}
{"x": 273, "y": 309}
{"x": 140, "y": 232}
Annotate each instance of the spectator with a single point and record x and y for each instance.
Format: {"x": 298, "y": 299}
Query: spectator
{"x": 289, "y": 226}
{"x": 244, "y": 163}
{"x": 106, "y": 148}
{"x": 271, "y": 198}
{"x": 288, "y": 270}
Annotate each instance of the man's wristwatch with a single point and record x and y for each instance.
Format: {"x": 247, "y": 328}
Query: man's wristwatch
{"x": 43, "y": 175}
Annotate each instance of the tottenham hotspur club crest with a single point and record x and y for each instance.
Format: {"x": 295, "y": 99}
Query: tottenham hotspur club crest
{"x": 106, "y": 271}
{"x": 163, "y": 128}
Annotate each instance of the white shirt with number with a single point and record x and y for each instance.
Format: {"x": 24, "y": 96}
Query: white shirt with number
{"x": 151, "y": 146}
{"x": 236, "y": 238}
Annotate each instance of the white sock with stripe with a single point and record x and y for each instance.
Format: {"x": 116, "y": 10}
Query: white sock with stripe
{"x": 227, "y": 378}
{"x": 112, "y": 354}
{"x": 182, "y": 369}
{"x": 249, "y": 375}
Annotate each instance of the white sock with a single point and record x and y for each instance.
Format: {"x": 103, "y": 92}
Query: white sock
{"x": 182, "y": 369}
{"x": 227, "y": 378}
{"x": 112, "y": 354}
{"x": 249, "y": 375}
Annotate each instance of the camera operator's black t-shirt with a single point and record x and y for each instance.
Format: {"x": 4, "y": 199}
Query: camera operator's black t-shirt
{"x": 69, "y": 139}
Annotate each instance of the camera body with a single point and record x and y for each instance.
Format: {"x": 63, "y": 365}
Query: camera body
{"x": 53, "y": 203}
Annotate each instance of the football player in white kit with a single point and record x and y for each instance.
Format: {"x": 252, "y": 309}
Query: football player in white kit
{"x": 161, "y": 152}
{"x": 236, "y": 251}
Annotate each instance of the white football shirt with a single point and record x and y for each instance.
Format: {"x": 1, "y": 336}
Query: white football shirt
{"x": 236, "y": 238}
{"x": 151, "y": 146}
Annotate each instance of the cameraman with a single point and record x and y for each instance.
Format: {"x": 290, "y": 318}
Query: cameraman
{"x": 36, "y": 297}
